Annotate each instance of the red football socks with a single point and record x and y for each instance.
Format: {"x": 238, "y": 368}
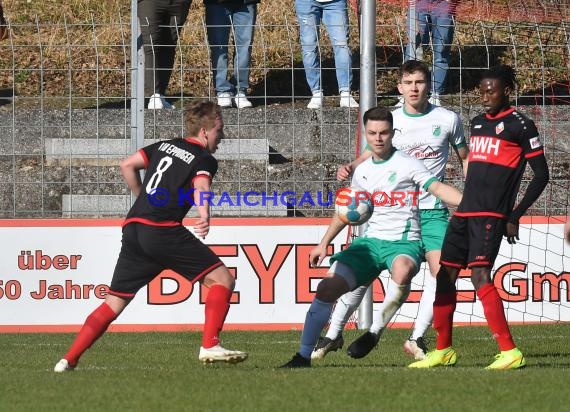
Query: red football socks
{"x": 443, "y": 308}
{"x": 95, "y": 325}
{"x": 216, "y": 310}
{"x": 495, "y": 314}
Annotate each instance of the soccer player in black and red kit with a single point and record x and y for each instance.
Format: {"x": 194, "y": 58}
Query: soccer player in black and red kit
{"x": 177, "y": 172}
{"x": 502, "y": 142}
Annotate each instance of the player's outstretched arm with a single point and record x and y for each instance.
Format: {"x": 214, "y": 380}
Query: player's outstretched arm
{"x": 567, "y": 229}
{"x": 130, "y": 170}
{"x": 540, "y": 179}
{"x": 202, "y": 202}
{"x": 533, "y": 191}
{"x": 445, "y": 192}
{"x": 344, "y": 171}
{"x": 317, "y": 254}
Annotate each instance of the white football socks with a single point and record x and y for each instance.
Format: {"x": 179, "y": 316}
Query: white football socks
{"x": 343, "y": 310}
{"x": 395, "y": 296}
{"x": 424, "y": 317}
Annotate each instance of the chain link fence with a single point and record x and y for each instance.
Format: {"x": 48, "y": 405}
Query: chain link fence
{"x": 65, "y": 104}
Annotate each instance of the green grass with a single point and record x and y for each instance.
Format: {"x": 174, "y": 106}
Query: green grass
{"x": 161, "y": 372}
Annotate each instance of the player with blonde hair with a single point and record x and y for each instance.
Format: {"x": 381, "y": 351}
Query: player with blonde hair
{"x": 154, "y": 238}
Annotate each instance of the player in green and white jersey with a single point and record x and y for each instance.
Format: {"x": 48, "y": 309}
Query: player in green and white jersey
{"x": 426, "y": 132}
{"x": 392, "y": 240}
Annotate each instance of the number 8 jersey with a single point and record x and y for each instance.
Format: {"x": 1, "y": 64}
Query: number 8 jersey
{"x": 167, "y": 190}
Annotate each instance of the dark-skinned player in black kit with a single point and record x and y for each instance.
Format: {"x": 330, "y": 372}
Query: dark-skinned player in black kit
{"x": 502, "y": 142}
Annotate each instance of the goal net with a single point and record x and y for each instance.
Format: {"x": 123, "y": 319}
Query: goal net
{"x": 533, "y": 276}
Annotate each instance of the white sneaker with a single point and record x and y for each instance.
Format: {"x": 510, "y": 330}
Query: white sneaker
{"x": 346, "y": 100}
{"x": 316, "y": 101}
{"x": 63, "y": 366}
{"x": 399, "y": 103}
{"x": 435, "y": 100}
{"x": 219, "y": 354}
{"x": 241, "y": 101}
{"x": 225, "y": 99}
{"x": 157, "y": 102}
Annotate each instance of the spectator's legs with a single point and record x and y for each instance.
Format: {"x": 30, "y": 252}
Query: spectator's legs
{"x": 335, "y": 18}
{"x": 412, "y": 31}
{"x": 150, "y": 16}
{"x": 417, "y": 28}
{"x": 244, "y": 19}
{"x": 177, "y": 13}
{"x": 442, "y": 37}
{"x": 309, "y": 15}
{"x": 218, "y": 25}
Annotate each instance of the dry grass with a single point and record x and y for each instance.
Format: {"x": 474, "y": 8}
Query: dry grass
{"x": 81, "y": 49}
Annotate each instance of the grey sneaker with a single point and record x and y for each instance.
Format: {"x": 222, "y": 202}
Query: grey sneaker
{"x": 325, "y": 345}
{"x": 416, "y": 348}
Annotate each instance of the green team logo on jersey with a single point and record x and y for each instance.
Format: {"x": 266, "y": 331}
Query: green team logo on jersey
{"x": 436, "y": 129}
{"x": 392, "y": 177}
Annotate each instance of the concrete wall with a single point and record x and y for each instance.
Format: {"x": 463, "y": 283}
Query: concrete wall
{"x": 56, "y": 163}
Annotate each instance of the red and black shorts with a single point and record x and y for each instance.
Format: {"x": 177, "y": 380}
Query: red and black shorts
{"x": 148, "y": 250}
{"x": 472, "y": 241}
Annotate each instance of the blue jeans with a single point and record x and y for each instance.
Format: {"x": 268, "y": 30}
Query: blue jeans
{"x": 220, "y": 20}
{"x": 433, "y": 17}
{"x": 334, "y": 15}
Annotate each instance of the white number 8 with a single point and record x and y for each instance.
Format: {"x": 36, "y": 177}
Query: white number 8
{"x": 155, "y": 179}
